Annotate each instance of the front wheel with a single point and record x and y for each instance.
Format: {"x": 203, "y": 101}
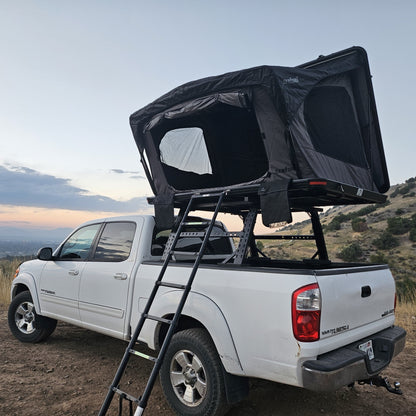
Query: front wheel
{"x": 192, "y": 376}
{"x": 24, "y": 323}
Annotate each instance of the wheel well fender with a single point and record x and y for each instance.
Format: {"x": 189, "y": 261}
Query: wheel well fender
{"x": 199, "y": 311}
{"x": 26, "y": 282}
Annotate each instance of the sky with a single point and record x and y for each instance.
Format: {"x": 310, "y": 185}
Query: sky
{"x": 72, "y": 72}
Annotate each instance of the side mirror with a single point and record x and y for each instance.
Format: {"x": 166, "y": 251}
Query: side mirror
{"x": 44, "y": 253}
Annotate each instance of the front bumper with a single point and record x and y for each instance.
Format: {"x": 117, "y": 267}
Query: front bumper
{"x": 348, "y": 364}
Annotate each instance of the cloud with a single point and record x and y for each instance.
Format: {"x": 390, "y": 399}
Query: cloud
{"x": 22, "y": 186}
{"x": 132, "y": 174}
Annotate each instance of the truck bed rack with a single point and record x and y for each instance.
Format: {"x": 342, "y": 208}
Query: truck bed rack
{"x": 303, "y": 195}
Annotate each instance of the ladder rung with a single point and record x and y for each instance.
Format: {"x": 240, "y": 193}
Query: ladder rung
{"x": 157, "y": 318}
{"x": 125, "y": 395}
{"x": 172, "y": 285}
{"x": 145, "y": 356}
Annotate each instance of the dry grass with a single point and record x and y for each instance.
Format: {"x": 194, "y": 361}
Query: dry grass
{"x": 406, "y": 318}
{"x": 7, "y": 270}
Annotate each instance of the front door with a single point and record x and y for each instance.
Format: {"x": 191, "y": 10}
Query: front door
{"x": 60, "y": 279}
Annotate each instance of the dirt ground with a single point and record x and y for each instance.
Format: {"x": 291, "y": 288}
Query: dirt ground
{"x": 69, "y": 374}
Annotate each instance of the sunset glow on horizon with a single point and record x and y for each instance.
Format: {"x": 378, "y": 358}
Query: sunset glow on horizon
{"x": 31, "y": 217}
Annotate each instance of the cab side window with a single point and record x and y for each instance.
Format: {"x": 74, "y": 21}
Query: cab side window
{"x": 115, "y": 242}
{"x": 78, "y": 245}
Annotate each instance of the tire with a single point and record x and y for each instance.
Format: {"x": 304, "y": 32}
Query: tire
{"x": 192, "y": 375}
{"x": 24, "y": 323}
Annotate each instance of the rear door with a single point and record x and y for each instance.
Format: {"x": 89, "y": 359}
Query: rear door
{"x": 106, "y": 278}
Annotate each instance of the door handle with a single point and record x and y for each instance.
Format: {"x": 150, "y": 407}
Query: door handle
{"x": 73, "y": 272}
{"x": 120, "y": 276}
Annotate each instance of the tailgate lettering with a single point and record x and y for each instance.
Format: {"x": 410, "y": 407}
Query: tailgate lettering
{"x": 334, "y": 331}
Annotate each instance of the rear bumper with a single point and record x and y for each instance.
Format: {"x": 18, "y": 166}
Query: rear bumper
{"x": 345, "y": 365}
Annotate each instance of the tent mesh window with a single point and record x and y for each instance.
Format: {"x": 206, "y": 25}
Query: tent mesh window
{"x": 332, "y": 125}
{"x": 223, "y": 146}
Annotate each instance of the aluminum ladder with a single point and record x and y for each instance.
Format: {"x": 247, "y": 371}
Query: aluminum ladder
{"x": 141, "y": 401}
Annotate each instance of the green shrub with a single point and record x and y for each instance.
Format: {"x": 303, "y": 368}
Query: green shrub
{"x": 398, "y": 225}
{"x": 351, "y": 253}
{"x": 403, "y": 190}
{"x": 334, "y": 225}
{"x": 359, "y": 225}
{"x": 364, "y": 211}
{"x": 386, "y": 241}
{"x": 379, "y": 258}
{"x": 260, "y": 245}
{"x": 412, "y": 235}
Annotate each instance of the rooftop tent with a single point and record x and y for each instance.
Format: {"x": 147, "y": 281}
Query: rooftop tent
{"x": 266, "y": 125}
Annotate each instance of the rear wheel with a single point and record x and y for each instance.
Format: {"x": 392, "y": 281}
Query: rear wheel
{"x": 24, "y": 323}
{"x": 192, "y": 376}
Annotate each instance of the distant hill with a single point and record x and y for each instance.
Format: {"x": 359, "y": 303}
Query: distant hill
{"x": 365, "y": 233}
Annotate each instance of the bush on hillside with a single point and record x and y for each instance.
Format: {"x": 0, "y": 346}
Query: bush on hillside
{"x": 336, "y": 222}
{"x": 398, "y": 225}
{"x": 364, "y": 211}
{"x": 334, "y": 225}
{"x": 412, "y": 235}
{"x": 379, "y": 258}
{"x": 351, "y": 253}
{"x": 359, "y": 225}
{"x": 403, "y": 190}
{"x": 260, "y": 245}
{"x": 386, "y": 241}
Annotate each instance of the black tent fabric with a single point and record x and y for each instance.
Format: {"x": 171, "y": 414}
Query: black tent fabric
{"x": 266, "y": 124}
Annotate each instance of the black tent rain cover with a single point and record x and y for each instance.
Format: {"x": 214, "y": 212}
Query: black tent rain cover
{"x": 266, "y": 125}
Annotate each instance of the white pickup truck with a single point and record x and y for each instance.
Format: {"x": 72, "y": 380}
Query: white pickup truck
{"x": 315, "y": 325}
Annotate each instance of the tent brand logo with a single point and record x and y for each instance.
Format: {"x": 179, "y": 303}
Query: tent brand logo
{"x": 291, "y": 80}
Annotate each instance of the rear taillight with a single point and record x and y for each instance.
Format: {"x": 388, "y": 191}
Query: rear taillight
{"x": 306, "y": 313}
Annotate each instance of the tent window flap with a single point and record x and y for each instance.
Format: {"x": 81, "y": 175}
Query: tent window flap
{"x": 185, "y": 149}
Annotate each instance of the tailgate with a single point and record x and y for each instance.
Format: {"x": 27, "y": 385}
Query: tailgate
{"x": 355, "y": 297}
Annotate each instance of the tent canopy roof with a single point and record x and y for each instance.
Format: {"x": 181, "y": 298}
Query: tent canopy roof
{"x": 264, "y": 124}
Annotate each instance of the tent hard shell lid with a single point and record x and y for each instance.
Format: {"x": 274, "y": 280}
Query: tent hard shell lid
{"x": 269, "y": 131}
